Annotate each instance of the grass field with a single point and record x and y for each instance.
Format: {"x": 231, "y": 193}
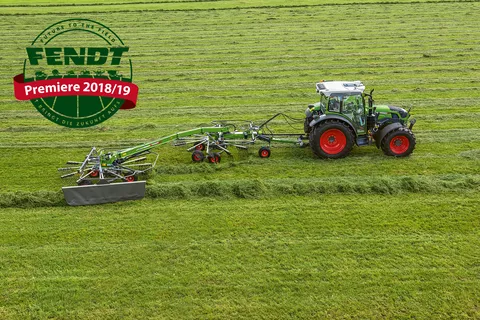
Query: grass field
{"x": 291, "y": 236}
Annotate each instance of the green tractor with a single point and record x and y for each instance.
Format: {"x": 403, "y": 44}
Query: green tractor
{"x": 342, "y": 118}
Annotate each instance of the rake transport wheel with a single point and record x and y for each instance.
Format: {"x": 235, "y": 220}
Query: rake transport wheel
{"x": 399, "y": 142}
{"x": 264, "y": 152}
{"x": 200, "y": 147}
{"x": 213, "y": 157}
{"x": 197, "y": 156}
{"x": 332, "y": 140}
{"x": 131, "y": 178}
{"x": 85, "y": 183}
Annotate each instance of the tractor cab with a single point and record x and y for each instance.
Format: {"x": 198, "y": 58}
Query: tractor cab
{"x": 342, "y": 98}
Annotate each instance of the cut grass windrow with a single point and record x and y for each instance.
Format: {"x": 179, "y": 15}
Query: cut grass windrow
{"x": 271, "y": 188}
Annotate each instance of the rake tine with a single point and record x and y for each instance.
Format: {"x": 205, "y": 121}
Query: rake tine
{"x": 68, "y": 175}
{"x": 224, "y": 149}
{"x": 67, "y": 168}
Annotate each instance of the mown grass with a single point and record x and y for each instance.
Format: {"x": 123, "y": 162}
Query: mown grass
{"x": 301, "y": 257}
{"x": 367, "y": 236}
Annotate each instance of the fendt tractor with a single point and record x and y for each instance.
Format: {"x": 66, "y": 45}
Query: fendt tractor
{"x": 342, "y": 118}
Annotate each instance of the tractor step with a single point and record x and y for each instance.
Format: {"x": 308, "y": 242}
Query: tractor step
{"x": 104, "y": 193}
{"x": 363, "y": 141}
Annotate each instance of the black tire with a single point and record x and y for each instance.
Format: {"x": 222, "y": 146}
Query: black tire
{"x": 264, "y": 152}
{"x": 310, "y": 139}
{"x": 214, "y": 158}
{"x": 399, "y": 142}
{"x": 131, "y": 178}
{"x": 306, "y": 125}
{"x": 197, "y": 156}
{"x": 85, "y": 183}
{"x": 332, "y": 139}
{"x": 199, "y": 147}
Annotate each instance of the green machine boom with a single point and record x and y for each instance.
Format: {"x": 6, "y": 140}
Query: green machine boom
{"x": 112, "y": 176}
{"x": 127, "y": 164}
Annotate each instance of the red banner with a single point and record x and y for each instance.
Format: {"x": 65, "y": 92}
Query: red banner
{"x": 76, "y": 87}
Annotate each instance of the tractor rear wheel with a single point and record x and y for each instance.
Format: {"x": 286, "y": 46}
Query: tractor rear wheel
{"x": 310, "y": 139}
{"x": 399, "y": 142}
{"x": 332, "y": 140}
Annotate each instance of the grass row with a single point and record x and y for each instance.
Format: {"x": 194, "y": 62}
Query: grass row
{"x": 85, "y": 6}
{"x": 259, "y": 188}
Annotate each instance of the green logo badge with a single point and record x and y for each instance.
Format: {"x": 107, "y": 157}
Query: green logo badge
{"x": 77, "y": 74}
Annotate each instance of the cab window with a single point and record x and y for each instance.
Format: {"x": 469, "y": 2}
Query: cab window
{"x": 334, "y": 103}
{"x": 353, "y": 105}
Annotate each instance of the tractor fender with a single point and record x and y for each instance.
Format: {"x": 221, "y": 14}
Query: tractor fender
{"x": 384, "y": 131}
{"x": 324, "y": 118}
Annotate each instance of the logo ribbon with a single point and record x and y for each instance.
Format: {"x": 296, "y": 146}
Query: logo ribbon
{"x": 76, "y": 87}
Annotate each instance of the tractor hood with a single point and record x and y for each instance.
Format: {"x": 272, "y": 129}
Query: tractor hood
{"x": 386, "y": 108}
{"x": 392, "y": 112}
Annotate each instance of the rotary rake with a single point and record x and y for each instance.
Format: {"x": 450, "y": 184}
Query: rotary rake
{"x": 112, "y": 176}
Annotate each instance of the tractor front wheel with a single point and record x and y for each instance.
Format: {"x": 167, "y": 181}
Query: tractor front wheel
{"x": 399, "y": 142}
{"x": 332, "y": 140}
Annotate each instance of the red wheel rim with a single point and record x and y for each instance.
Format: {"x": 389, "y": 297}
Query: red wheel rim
{"x": 265, "y": 153}
{"x": 399, "y": 144}
{"x": 94, "y": 174}
{"x": 200, "y": 147}
{"x": 196, "y": 158}
{"x": 333, "y": 141}
{"x": 130, "y": 179}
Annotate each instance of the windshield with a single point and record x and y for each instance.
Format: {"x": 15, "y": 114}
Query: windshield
{"x": 345, "y": 102}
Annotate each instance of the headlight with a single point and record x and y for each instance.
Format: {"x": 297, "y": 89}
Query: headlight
{"x": 308, "y": 113}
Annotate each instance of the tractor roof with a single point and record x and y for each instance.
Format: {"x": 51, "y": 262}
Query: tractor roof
{"x": 329, "y": 87}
